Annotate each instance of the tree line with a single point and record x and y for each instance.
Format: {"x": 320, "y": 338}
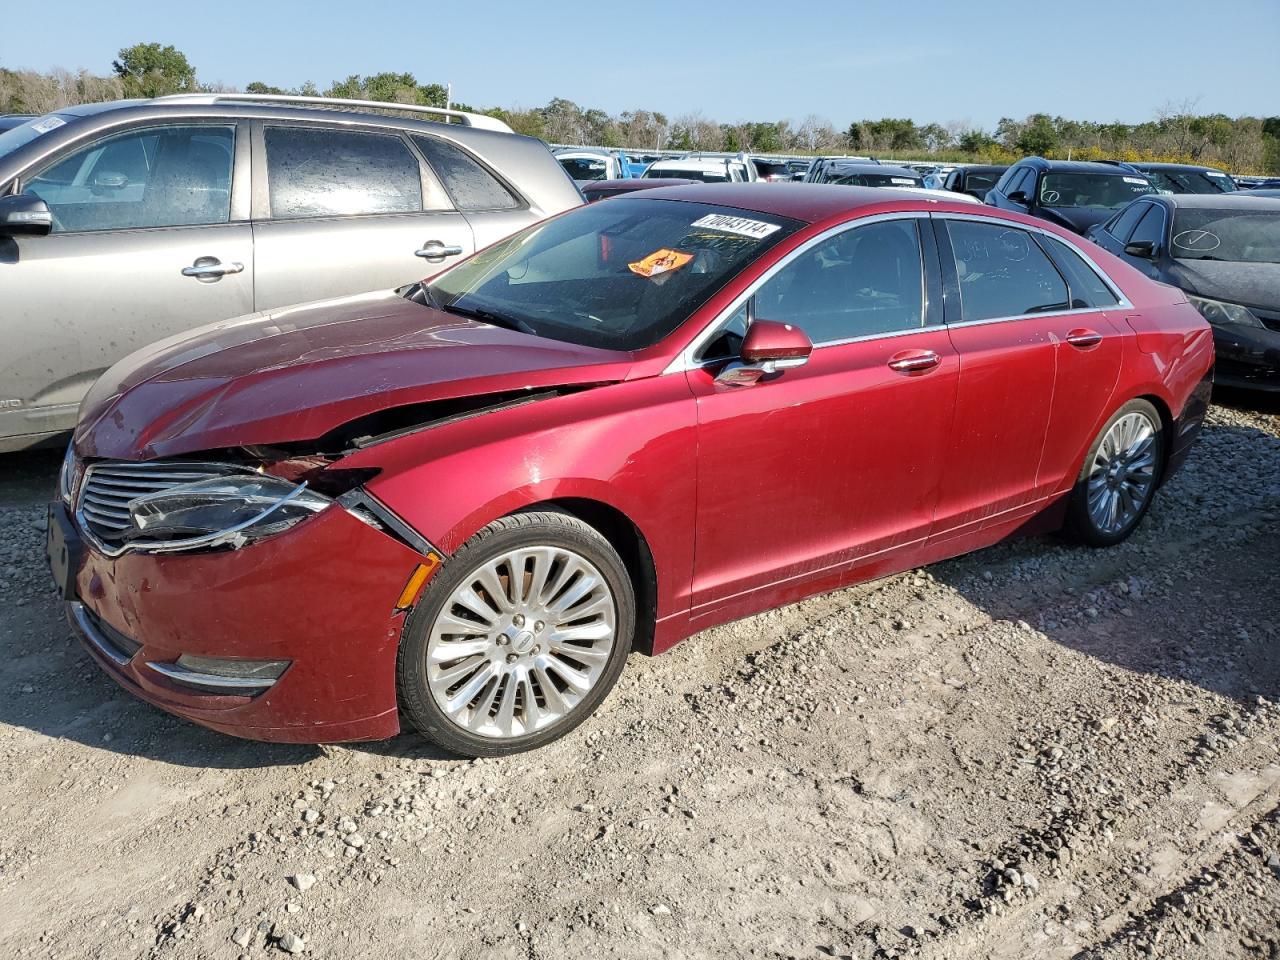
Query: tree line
{"x": 1177, "y": 133}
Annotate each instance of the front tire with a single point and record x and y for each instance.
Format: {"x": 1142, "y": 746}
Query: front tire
{"x": 519, "y": 638}
{"x": 1119, "y": 478}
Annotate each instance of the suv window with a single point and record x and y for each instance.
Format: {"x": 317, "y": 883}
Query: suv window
{"x": 1025, "y": 181}
{"x": 864, "y": 281}
{"x": 154, "y": 177}
{"x": 1087, "y": 288}
{"x": 1126, "y": 219}
{"x": 322, "y": 172}
{"x": 1002, "y": 272}
{"x": 1150, "y": 228}
{"x": 471, "y": 186}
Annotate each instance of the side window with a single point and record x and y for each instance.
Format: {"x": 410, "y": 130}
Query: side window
{"x": 1125, "y": 221}
{"x": 1002, "y": 272}
{"x": 864, "y": 281}
{"x": 322, "y": 172}
{"x": 471, "y": 186}
{"x": 1150, "y": 228}
{"x": 728, "y": 341}
{"x": 155, "y": 177}
{"x": 1087, "y": 288}
{"x": 1017, "y": 181}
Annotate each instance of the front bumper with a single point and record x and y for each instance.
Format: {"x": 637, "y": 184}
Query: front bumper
{"x": 1248, "y": 357}
{"x": 321, "y": 596}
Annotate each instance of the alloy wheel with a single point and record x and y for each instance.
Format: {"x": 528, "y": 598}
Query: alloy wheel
{"x": 521, "y": 641}
{"x": 1122, "y": 476}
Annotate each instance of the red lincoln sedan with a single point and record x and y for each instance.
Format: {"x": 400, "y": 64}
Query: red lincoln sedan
{"x": 463, "y": 503}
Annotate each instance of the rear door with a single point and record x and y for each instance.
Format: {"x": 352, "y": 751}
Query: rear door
{"x": 1004, "y": 301}
{"x": 341, "y": 209}
{"x": 151, "y": 237}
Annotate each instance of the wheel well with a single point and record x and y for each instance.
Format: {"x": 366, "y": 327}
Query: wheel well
{"x": 1166, "y": 428}
{"x": 617, "y": 528}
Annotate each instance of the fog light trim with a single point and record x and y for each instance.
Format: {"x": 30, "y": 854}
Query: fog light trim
{"x": 224, "y": 676}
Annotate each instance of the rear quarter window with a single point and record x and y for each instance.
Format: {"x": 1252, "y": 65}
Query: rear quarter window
{"x": 471, "y": 186}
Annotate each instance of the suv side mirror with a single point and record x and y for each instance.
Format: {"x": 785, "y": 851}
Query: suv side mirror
{"x": 768, "y": 347}
{"x": 1143, "y": 248}
{"x": 1018, "y": 196}
{"x": 22, "y": 214}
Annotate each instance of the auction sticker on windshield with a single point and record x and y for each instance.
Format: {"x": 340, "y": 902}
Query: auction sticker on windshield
{"x": 741, "y": 226}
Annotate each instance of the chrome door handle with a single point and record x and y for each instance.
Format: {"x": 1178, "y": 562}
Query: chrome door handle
{"x": 1084, "y": 338}
{"x": 435, "y": 250}
{"x": 211, "y": 268}
{"x": 914, "y": 361}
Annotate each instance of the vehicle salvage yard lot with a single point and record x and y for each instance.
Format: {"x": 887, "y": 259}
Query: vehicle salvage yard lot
{"x": 1037, "y": 750}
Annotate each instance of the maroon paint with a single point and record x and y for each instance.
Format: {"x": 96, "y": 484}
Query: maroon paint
{"x": 860, "y": 463}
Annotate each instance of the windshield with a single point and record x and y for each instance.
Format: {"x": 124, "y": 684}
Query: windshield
{"x": 619, "y": 275}
{"x": 21, "y": 135}
{"x": 1191, "y": 181}
{"x": 706, "y": 176}
{"x": 872, "y": 180}
{"x": 582, "y": 168}
{"x": 1235, "y": 235}
{"x": 1097, "y": 190}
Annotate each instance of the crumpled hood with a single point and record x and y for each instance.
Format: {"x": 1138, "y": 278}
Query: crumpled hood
{"x": 1078, "y": 219}
{"x": 297, "y": 373}
{"x": 1253, "y": 284}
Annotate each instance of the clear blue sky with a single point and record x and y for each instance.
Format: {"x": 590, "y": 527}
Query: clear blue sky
{"x": 734, "y": 60}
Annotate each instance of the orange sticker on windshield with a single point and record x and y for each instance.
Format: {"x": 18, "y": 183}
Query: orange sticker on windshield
{"x": 660, "y": 262}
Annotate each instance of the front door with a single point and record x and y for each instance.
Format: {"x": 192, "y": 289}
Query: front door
{"x": 145, "y": 244}
{"x": 824, "y": 468}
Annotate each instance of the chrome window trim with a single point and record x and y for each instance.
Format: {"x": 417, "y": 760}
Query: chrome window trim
{"x": 687, "y": 359}
{"x": 1122, "y": 301}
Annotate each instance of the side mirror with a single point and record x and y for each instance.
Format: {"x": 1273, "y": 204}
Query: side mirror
{"x": 23, "y": 214}
{"x": 768, "y": 347}
{"x": 1018, "y": 196}
{"x": 1143, "y": 248}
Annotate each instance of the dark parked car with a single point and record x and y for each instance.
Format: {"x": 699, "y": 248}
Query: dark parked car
{"x": 1224, "y": 252}
{"x": 604, "y": 189}
{"x": 1071, "y": 193}
{"x": 460, "y": 508}
{"x": 1184, "y": 177}
{"x": 975, "y": 181}
{"x": 860, "y": 173}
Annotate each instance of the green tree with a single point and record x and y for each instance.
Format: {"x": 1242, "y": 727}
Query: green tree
{"x": 152, "y": 70}
{"x": 1038, "y": 137}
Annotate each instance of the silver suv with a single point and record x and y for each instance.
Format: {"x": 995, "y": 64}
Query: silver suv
{"x": 125, "y": 222}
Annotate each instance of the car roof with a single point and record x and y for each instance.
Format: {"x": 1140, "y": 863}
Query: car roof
{"x": 984, "y": 168}
{"x": 1239, "y": 200}
{"x": 807, "y": 202}
{"x": 1077, "y": 166}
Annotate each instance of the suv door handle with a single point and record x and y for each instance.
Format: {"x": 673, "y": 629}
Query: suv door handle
{"x": 210, "y": 269}
{"x": 914, "y": 361}
{"x": 1084, "y": 338}
{"x": 435, "y": 251}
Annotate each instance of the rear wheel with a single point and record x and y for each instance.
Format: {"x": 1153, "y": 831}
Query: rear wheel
{"x": 519, "y": 638}
{"x": 1119, "y": 477}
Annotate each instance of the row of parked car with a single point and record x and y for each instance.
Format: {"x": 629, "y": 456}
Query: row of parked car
{"x": 195, "y": 208}
{"x": 1187, "y": 225}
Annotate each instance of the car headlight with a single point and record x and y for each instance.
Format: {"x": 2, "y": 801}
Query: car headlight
{"x": 67, "y": 475}
{"x": 222, "y": 511}
{"x": 1220, "y": 312}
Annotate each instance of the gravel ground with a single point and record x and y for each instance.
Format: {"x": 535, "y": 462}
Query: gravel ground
{"x": 1037, "y": 750}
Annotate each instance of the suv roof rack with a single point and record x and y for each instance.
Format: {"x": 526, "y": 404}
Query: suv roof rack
{"x": 477, "y": 120}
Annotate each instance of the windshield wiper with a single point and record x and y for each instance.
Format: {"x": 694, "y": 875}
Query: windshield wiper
{"x": 488, "y": 316}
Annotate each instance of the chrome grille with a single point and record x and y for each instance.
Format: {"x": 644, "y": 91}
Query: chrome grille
{"x": 107, "y": 487}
